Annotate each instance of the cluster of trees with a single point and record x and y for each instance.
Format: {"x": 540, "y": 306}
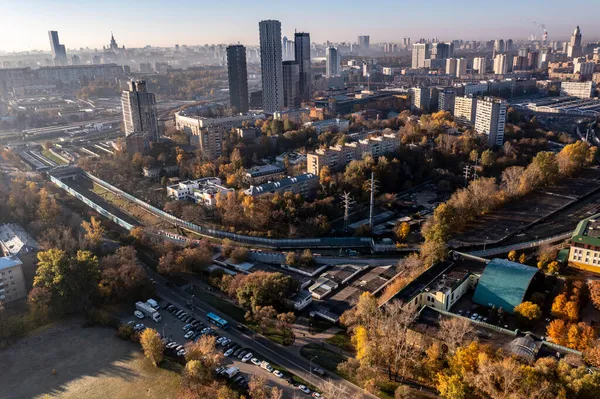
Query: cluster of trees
{"x": 389, "y": 347}
{"x": 193, "y": 258}
{"x": 484, "y": 195}
{"x": 303, "y": 260}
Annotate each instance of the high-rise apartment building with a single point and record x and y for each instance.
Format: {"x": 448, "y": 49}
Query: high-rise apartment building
{"x": 465, "y": 108}
{"x": 575, "y": 49}
{"x": 420, "y": 53}
{"x": 291, "y": 84}
{"x": 302, "y": 57}
{"x": 139, "y": 110}
{"x": 286, "y": 54}
{"x": 271, "y": 65}
{"x": 446, "y": 98}
{"x": 500, "y": 64}
{"x": 440, "y": 51}
{"x": 451, "y": 66}
{"x": 421, "y": 98}
{"x": 238, "y": 78}
{"x": 479, "y": 65}
{"x": 461, "y": 67}
{"x": 364, "y": 42}
{"x": 499, "y": 46}
{"x": 59, "y": 54}
{"x": 490, "y": 119}
{"x": 333, "y": 62}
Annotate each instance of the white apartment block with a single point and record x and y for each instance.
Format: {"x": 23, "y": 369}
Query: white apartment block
{"x": 501, "y": 64}
{"x": 202, "y": 191}
{"x": 577, "y": 89}
{"x": 475, "y": 88}
{"x": 479, "y": 65}
{"x": 461, "y": 67}
{"x": 465, "y": 108}
{"x": 12, "y": 279}
{"x": 207, "y": 133}
{"x": 338, "y": 156}
{"x": 451, "y": 66}
{"x": 490, "y": 118}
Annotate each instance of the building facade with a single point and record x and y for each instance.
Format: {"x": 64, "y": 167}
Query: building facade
{"x": 291, "y": 84}
{"x": 501, "y": 64}
{"x": 271, "y": 65}
{"x": 238, "y": 78}
{"x": 12, "y": 279}
{"x": 577, "y": 89}
{"x": 202, "y": 191}
{"x": 479, "y": 65}
{"x": 584, "y": 252}
{"x": 305, "y": 184}
{"x": 338, "y": 156}
{"x": 490, "y": 119}
{"x": 59, "y": 54}
{"x": 333, "y": 62}
{"x": 302, "y": 56}
{"x": 465, "y": 108}
{"x": 420, "y": 53}
{"x": 575, "y": 49}
{"x": 139, "y": 110}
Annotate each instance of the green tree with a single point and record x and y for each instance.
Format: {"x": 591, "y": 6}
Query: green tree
{"x": 152, "y": 345}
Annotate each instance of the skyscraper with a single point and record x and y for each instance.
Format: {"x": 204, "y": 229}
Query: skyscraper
{"x": 139, "y": 110}
{"x": 575, "y": 49}
{"x": 461, "y": 67}
{"x": 285, "y": 49}
{"x": 332, "y": 64}
{"x": 440, "y": 51}
{"x": 451, "y": 66}
{"x": 302, "y": 57}
{"x": 291, "y": 84}
{"x": 271, "y": 67}
{"x": 420, "y": 53}
{"x": 238, "y": 78}
{"x": 490, "y": 119}
{"x": 364, "y": 42}
{"x": 59, "y": 54}
{"x": 499, "y": 46}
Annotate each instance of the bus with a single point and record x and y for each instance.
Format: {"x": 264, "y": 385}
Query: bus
{"x": 213, "y": 318}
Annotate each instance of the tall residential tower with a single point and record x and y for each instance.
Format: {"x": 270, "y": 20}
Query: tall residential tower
{"x": 59, "y": 54}
{"x": 139, "y": 110}
{"x": 302, "y": 56}
{"x": 238, "y": 78}
{"x": 333, "y": 62}
{"x": 271, "y": 67}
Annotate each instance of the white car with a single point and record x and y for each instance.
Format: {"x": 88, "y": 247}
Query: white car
{"x": 181, "y": 352}
{"x": 220, "y": 340}
{"x": 278, "y": 374}
{"x": 228, "y": 352}
{"x": 269, "y": 368}
{"x": 225, "y": 341}
{"x": 255, "y": 361}
{"x": 304, "y": 389}
{"x": 247, "y": 357}
{"x": 187, "y": 327}
{"x": 138, "y": 314}
{"x": 188, "y": 334}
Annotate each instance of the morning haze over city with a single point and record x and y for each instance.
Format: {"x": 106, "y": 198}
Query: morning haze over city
{"x": 324, "y": 199}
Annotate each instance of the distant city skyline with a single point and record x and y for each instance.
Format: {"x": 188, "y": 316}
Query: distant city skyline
{"x": 158, "y": 23}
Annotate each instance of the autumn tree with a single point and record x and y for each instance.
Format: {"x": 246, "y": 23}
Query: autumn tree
{"x": 594, "y": 288}
{"x": 152, "y": 345}
{"x": 557, "y": 331}
{"x": 93, "y": 231}
{"x": 528, "y": 311}
{"x": 512, "y": 256}
{"x": 401, "y": 231}
{"x": 456, "y": 331}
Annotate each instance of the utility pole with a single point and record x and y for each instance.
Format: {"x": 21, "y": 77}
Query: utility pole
{"x": 467, "y": 174}
{"x": 372, "y": 204}
{"x": 475, "y": 168}
{"x": 347, "y": 202}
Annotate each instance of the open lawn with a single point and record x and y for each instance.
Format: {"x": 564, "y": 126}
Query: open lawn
{"x": 64, "y": 360}
{"x": 53, "y": 157}
{"x": 341, "y": 340}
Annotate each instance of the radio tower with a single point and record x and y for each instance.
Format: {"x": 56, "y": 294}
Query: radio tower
{"x": 347, "y": 201}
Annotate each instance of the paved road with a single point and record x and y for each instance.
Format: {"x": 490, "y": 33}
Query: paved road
{"x": 268, "y": 349}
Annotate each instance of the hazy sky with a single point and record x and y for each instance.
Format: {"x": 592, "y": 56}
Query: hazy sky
{"x": 82, "y": 23}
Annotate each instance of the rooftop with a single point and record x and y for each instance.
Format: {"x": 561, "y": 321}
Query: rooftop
{"x": 588, "y": 231}
{"x": 9, "y": 261}
{"x": 264, "y": 170}
{"x": 288, "y": 181}
{"x": 504, "y": 284}
{"x": 14, "y": 240}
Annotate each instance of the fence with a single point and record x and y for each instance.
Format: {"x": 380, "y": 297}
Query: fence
{"x": 326, "y": 242}
{"x": 523, "y": 245}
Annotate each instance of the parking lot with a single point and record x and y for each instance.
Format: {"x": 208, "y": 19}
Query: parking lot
{"x": 179, "y": 329}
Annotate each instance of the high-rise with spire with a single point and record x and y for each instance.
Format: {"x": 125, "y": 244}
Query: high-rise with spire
{"x": 113, "y": 43}
{"x": 575, "y": 50}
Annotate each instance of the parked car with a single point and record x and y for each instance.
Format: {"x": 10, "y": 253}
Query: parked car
{"x": 278, "y": 374}
{"x": 187, "y": 327}
{"x": 237, "y": 352}
{"x": 219, "y": 370}
{"x": 319, "y": 371}
{"x": 167, "y": 305}
{"x": 242, "y": 354}
{"x": 219, "y": 340}
{"x": 181, "y": 352}
{"x": 247, "y": 357}
{"x": 228, "y": 353}
{"x": 188, "y": 334}
{"x": 138, "y": 314}
{"x": 255, "y": 361}
{"x": 317, "y": 395}
{"x": 225, "y": 342}
{"x": 304, "y": 389}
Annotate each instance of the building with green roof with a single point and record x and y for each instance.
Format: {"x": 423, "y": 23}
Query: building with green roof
{"x": 585, "y": 245}
{"x": 505, "y": 284}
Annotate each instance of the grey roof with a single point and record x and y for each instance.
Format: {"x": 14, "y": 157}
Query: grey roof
{"x": 9, "y": 261}
{"x": 287, "y": 182}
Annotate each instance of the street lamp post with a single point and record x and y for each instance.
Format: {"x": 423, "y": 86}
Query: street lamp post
{"x": 310, "y": 368}
{"x": 163, "y": 331}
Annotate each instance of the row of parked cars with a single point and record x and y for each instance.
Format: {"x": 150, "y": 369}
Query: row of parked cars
{"x": 194, "y": 329}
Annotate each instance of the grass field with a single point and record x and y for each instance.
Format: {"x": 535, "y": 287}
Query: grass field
{"x": 341, "y": 340}
{"x": 64, "y": 360}
{"x": 53, "y": 157}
